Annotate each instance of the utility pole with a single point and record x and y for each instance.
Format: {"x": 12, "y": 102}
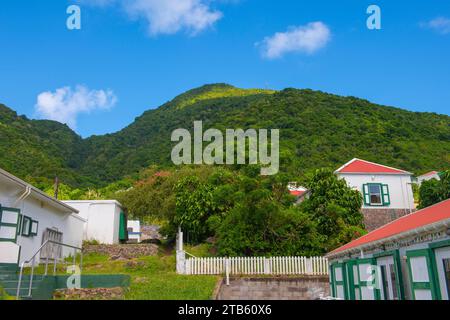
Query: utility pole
{"x": 56, "y": 187}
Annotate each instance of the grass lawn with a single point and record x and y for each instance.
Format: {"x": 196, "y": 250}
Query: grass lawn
{"x": 153, "y": 277}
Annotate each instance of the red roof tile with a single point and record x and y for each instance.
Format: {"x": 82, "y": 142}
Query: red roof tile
{"x": 363, "y": 166}
{"x": 430, "y": 215}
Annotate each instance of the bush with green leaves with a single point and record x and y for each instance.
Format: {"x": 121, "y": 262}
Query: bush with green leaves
{"x": 434, "y": 191}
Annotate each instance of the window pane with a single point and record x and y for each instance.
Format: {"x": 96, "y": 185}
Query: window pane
{"x": 9, "y": 217}
{"x": 393, "y": 281}
{"x": 375, "y": 194}
{"x": 385, "y": 283}
{"x": 447, "y": 274}
{"x": 8, "y": 233}
{"x": 375, "y": 199}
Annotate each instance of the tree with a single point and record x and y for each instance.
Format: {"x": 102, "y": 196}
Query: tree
{"x": 194, "y": 205}
{"x": 335, "y": 207}
{"x": 434, "y": 191}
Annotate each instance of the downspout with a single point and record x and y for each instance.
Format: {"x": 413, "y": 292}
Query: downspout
{"x": 23, "y": 196}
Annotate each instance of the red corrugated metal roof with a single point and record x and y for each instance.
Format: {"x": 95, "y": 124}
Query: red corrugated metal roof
{"x": 363, "y": 166}
{"x": 432, "y": 214}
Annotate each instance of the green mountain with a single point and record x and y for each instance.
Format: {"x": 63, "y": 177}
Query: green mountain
{"x": 316, "y": 129}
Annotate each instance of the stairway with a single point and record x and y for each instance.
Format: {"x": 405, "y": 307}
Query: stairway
{"x": 9, "y": 279}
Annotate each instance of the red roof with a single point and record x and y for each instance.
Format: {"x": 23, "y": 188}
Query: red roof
{"x": 429, "y": 173}
{"x": 430, "y": 215}
{"x": 297, "y": 193}
{"x": 363, "y": 166}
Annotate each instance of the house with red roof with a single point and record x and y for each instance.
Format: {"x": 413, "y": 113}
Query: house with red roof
{"x": 428, "y": 176}
{"x": 406, "y": 259}
{"x": 299, "y": 192}
{"x": 387, "y": 191}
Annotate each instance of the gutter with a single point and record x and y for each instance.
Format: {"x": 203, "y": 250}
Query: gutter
{"x": 33, "y": 189}
{"x": 443, "y": 224}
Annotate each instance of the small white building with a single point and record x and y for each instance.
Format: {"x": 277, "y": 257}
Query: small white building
{"x": 29, "y": 217}
{"x": 428, "y": 176}
{"x": 387, "y": 191}
{"x": 134, "y": 231}
{"x": 105, "y": 220}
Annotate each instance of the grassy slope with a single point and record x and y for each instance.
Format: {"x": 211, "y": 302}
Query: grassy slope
{"x": 152, "y": 277}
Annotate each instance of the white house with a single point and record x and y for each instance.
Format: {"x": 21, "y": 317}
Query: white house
{"x": 134, "y": 231}
{"x": 29, "y": 217}
{"x": 387, "y": 191}
{"x": 408, "y": 259}
{"x": 428, "y": 176}
{"x": 106, "y": 220}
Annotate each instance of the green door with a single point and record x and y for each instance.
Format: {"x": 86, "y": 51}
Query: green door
{"x": 339, "y": 281}
{"x": 421, "y": 275}
{"x": 123, "y": 228}
{"x": 368, "y": 279}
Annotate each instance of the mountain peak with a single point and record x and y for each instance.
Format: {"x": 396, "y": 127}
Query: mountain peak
{"x": 214, "y": 91}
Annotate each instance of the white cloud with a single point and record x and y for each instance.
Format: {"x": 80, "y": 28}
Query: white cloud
{"x": 305, "y": 39}
{"x": 167, "y": 16}
{"x": 65, "y": 104}
{"x": 440, "y": 25}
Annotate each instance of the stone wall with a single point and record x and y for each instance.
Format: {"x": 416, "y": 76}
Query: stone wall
{"x": 375, "y": 218}
{"x": 283, "y": 288}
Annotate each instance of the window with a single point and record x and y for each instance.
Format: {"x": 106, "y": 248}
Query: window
{"x": 52, "y": 251}
{"x": 34, "y": 228}
{"x": 26, "y": 226}
{"x": 385, "y": 283}
{"x": 376, "y": 194}
{"x": 393, "y": 281}
{"x": 447, "y": 274}
{"x": 9, "y": 219}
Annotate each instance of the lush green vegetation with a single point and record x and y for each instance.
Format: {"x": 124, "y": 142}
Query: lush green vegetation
{"x": 317, "y": 130}
{"x": 434, "y": 191}
{"x": 244, "y": 213}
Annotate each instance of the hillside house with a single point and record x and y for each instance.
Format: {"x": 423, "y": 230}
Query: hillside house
{"x": 428, "y": 176}
{"x": 387, "y": 191}
{"x": 299, "y": 192}
{"x": 407, "y": 259}
{"x": 106, "y": 221}
{"x": 29, "y": 217}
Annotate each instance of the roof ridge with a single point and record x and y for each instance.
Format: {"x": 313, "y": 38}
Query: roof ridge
{"x": 372, "y": 163}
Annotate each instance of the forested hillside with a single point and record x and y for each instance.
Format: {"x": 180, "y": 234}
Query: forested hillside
{"x": 316, "y": 130}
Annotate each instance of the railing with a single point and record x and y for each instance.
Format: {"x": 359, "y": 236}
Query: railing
{"x": 55, "y": 249}
{"x": 257, "y": 266}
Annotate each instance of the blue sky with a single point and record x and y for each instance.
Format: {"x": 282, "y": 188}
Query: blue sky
{"x": 133, "y": 55}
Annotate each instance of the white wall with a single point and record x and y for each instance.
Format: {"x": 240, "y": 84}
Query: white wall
{"x": 103, "y": 220}
{"x": 48, "y": 217}
{"x": 400, "y": 188}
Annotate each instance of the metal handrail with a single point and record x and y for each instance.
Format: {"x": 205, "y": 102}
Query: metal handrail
{"x": 33, "y": 260}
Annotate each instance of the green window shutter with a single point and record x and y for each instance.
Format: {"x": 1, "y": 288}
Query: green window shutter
{"x": 386, "y": 195}
{"x": 366, "y": 194}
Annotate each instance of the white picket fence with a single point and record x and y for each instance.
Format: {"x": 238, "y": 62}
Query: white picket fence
{"x": 257, "y": 265}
